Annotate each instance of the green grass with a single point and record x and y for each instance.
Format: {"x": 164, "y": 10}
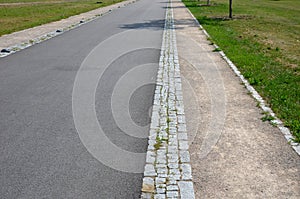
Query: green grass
{"x": 36, "y": 12}
{"x": 158, "y": 143}
{"x": 263, "y": 40}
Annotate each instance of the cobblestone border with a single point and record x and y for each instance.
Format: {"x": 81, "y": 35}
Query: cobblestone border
{"x": 20, "y": 46}
{"x": 276, "y": 121}
{"x": 168, "y": 172}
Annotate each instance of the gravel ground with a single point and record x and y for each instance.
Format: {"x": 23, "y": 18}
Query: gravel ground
{"x": 233, "y": 153}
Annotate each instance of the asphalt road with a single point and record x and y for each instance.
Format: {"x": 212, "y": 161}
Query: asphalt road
{"x": 42, "y": 154}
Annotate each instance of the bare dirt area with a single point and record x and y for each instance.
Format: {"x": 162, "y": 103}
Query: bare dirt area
{"x": 234, "y": 154}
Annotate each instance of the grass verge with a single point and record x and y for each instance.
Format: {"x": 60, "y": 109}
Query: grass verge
{"x": 263, "y": 41}
{"x": 18, "y": 15}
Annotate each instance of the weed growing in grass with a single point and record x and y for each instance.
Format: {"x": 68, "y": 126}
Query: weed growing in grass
{"x": 267, "y": 118}
{"x": 296, "y": 125}
{"x": 217, "y": 50}
{"x": 258, "y": 104}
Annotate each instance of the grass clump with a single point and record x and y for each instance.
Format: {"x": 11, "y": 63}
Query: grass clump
{"x": 217, "y": 50}
{"x": 267, "y": 117}
{"x": 158, "y": 143}
{"x": 262, "y": 40}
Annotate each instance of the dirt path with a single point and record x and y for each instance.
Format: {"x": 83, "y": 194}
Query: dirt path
{"x": 233, "y": 153}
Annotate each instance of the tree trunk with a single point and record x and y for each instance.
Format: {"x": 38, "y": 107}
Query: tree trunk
{"x": 230, "y": 9}
{"x": 208, "y": 2}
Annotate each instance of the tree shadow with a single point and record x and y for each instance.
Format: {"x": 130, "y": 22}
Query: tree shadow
{"x": 211, "y": 20}
{"x": 153, "y": 24}
{"x": 157, "y": 24}
{"x": 204, "y": 20}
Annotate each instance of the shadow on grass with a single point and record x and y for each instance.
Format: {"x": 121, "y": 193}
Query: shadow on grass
{"x": 204, "y": 20}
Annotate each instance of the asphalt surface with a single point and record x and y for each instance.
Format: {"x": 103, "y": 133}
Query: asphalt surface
{"x": 42, "y": 155}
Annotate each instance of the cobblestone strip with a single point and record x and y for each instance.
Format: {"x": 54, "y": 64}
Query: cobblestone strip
{"x": 168, "y": 172}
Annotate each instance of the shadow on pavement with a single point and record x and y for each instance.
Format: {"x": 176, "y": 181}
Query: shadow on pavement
{"x": 155, "y": 24}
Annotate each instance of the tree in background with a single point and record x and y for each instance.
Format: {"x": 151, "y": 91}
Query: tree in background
{"x": 230, "y": 9}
